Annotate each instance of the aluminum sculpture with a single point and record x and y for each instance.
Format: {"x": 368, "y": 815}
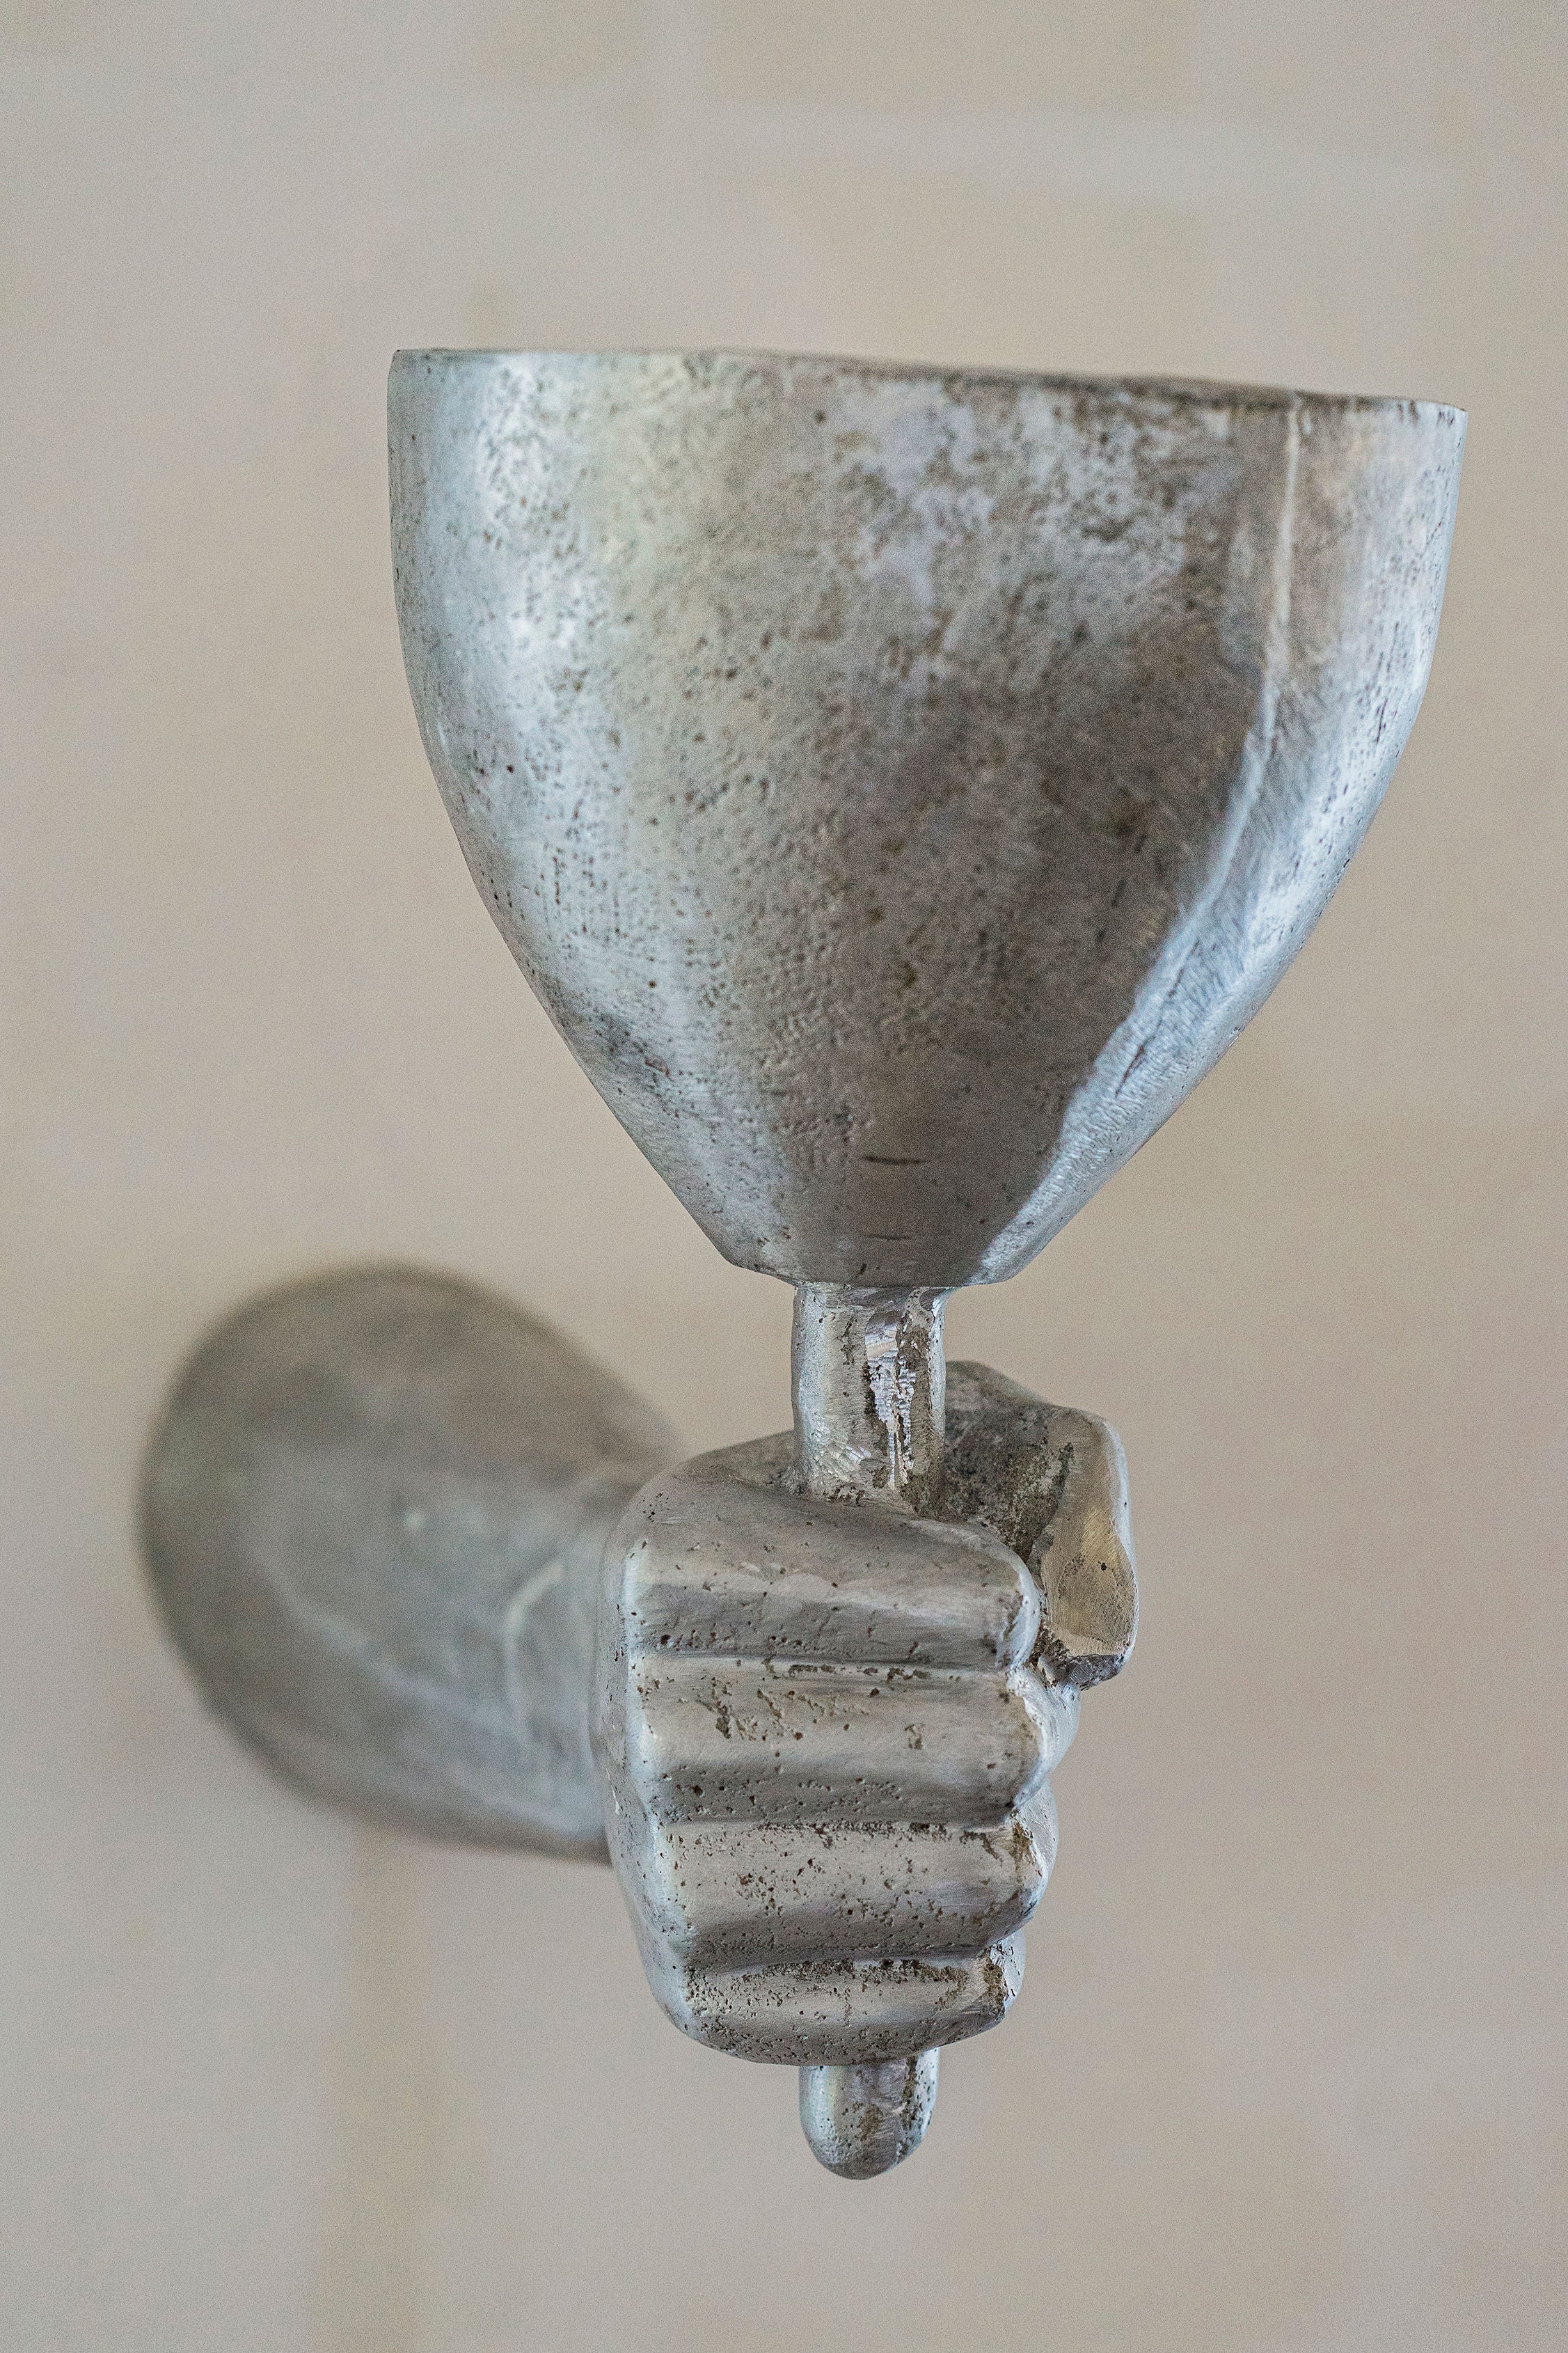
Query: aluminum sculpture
{"x": 899, "y": 786}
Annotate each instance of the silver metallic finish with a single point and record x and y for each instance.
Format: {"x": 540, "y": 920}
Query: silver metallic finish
{"x": 373, "y": 1512}
{"x": 869, "y": 1382}
{"x": 870, "y": 1425}
{"x": 900, "y": 784}
{"x": 860, "y": 2121}
{"x": 826, "y": 1728}
{"x": 870, "y": 1394}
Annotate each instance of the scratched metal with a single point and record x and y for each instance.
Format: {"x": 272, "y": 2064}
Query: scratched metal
{"x": 900, "y": 784}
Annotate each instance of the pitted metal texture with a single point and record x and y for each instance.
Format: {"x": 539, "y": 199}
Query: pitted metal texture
{"x": 899, "y": 784}
{"x": 826, "y": 1728}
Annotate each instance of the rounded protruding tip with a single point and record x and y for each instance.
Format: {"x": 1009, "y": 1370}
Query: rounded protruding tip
{"x": 862, "y": 2121}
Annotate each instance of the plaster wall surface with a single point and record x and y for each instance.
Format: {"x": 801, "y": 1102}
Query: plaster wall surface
{"x": 1289, "y": 2073}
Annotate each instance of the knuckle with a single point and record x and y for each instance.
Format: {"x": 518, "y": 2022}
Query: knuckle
{"x": 1053, "y": 1710}
{"x": 714, "y": 1564}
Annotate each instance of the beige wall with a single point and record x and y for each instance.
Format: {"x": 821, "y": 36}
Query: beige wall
{"x": 1291, "y": 2073}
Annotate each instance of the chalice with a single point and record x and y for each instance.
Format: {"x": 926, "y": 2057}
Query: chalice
{"x": 899, "y": 784}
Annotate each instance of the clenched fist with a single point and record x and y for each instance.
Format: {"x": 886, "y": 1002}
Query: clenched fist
{"x": 825, "y": 1729}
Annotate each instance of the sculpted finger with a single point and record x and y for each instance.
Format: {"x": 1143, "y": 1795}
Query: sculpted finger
{"x": 1084, "y": 1562}
{"x": 1038, "y": 1816}
{"x": 715, "y": 1558}
{"x": 732, "y": 1898}
{"x": 844, "y": 2013}
{"x": 734, "y": 1740}
{"x": 1052, "y": 1484}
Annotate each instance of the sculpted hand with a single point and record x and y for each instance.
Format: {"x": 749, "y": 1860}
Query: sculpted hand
{"x": 825, "y": 1729}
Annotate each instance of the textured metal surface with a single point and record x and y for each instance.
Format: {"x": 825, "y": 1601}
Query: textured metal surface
{"x": 868, "y": 1381}
{"x": 861, "y": 2121}
{"x": 826, "y": 1727}
{"x": 899, "y": 786}
{"x": 374, "y": 1514}
{"x": 870, "y": 1388}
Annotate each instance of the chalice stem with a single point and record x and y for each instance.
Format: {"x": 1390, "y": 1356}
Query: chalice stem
{"x": 868, "y": 1380}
